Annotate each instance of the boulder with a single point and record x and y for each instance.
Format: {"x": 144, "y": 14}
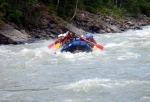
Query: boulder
{"x": 74, "y": 29}
{"x": 13, "y": 35}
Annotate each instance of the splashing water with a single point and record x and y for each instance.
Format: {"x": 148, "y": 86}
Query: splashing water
{"x": 119, "y": 73}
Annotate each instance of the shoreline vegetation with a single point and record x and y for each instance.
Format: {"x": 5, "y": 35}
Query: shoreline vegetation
{"x": 27, "y": 21}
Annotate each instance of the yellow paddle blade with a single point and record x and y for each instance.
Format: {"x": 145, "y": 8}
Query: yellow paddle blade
{"x": 94, "y": 47}
{"x": 57, "y": 45}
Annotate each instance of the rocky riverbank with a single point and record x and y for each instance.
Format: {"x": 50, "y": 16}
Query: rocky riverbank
{"x": 50, "y": 26}
{"x": 107, "y": 24}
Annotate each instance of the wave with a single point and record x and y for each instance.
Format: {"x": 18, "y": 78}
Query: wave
{"x": 88, "y": 85}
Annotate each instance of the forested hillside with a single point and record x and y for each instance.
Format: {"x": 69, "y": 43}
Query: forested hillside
{"x": 27, "y": 12}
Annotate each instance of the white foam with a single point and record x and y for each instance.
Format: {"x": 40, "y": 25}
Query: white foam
{"x": 87, "y": 85}
{"x": 128, "y": 55}
{"x": 27, "y": 52}
{"x": 145, "y": 99}
{"x": 5, "y": 95}
{"x": 97, "y": 83}
{"x": 112, "y": 44}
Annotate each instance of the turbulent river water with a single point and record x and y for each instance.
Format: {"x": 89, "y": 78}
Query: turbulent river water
{"x": 119, "y": 73}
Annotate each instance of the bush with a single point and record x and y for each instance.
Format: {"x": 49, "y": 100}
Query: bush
{"x": 16, "y": 15}
{"x": 145, "y": 8}
{"x": 26, "y": 13}
{"x": 30, "y": 16}
{"x": 62, "y": 13}
{"x": 52, "y": 9}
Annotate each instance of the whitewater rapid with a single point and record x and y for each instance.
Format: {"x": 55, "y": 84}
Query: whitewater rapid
{"x": 119, "y": 73}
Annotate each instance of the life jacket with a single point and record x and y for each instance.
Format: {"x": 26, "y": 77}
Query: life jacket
{"x": 68, "y": 35}
{"x": 89, "y": 37}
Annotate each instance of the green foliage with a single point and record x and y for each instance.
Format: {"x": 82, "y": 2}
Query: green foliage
{"x": 1, "y": 17}
{"x": 132, "y": 6}
{"x": 117, "y": 8}
{"x": 61, "y": 13}
{"x": 52, "y": 9}
{"x": 16, "y": 15}
{"x": 91, "y": 9}
{"x": 119, "y": 13}
{"x": 20, "y": 12}
{"x": 110, "y": 4}
{"x": 3, "y": 5}
{"x": 145, "y": 8}
{"x": 92, "y": 5}
{"x": 25, "y": 11}
{"x": 30, "y": 16}
{"x": 64, "y": 9}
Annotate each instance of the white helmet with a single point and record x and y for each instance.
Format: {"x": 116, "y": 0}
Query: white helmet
{"x": 64, "y": 34}
{"x": 60, "y": 35}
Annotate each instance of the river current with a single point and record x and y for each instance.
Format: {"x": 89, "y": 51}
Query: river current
{"x": 119, "y": 73}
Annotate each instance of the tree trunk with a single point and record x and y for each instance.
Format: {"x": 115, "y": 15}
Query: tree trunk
{"x": 75, "y": 11}
{"x": 116, "y": 2}
{"x": 120, "y": 4}
{"x": 64, "y": 3}
{"x": 57, "y": 4}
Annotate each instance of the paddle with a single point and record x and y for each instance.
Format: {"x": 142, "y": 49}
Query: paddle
{"x": 51, "y": 45}
{"x": 56, "y": 43}
{"x": 99, "y": 46}
{"x": 57, "y": 46}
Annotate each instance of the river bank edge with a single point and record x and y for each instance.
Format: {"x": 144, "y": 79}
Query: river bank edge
{"x": 50, "y": 27}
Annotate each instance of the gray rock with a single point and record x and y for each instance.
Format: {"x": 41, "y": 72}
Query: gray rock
{"x": 74, "y": 29}
{"x": 13, "y": 34}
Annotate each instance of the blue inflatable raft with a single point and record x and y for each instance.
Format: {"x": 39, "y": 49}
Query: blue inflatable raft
{"x": 77, "y": 46}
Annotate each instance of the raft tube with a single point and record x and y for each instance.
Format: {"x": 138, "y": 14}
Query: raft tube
{"x": 77, "y": 46}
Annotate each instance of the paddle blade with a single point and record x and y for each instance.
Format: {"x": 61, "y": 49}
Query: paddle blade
{"x": 100, "y": 46}
{"x": 57, "y": 45}
{"x": 51, "y": 45}
{"x": 94, "y": 47}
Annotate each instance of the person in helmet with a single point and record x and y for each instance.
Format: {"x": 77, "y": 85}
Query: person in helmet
{"x": 64, "y": 38}
{"x": 90, "y": 38}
